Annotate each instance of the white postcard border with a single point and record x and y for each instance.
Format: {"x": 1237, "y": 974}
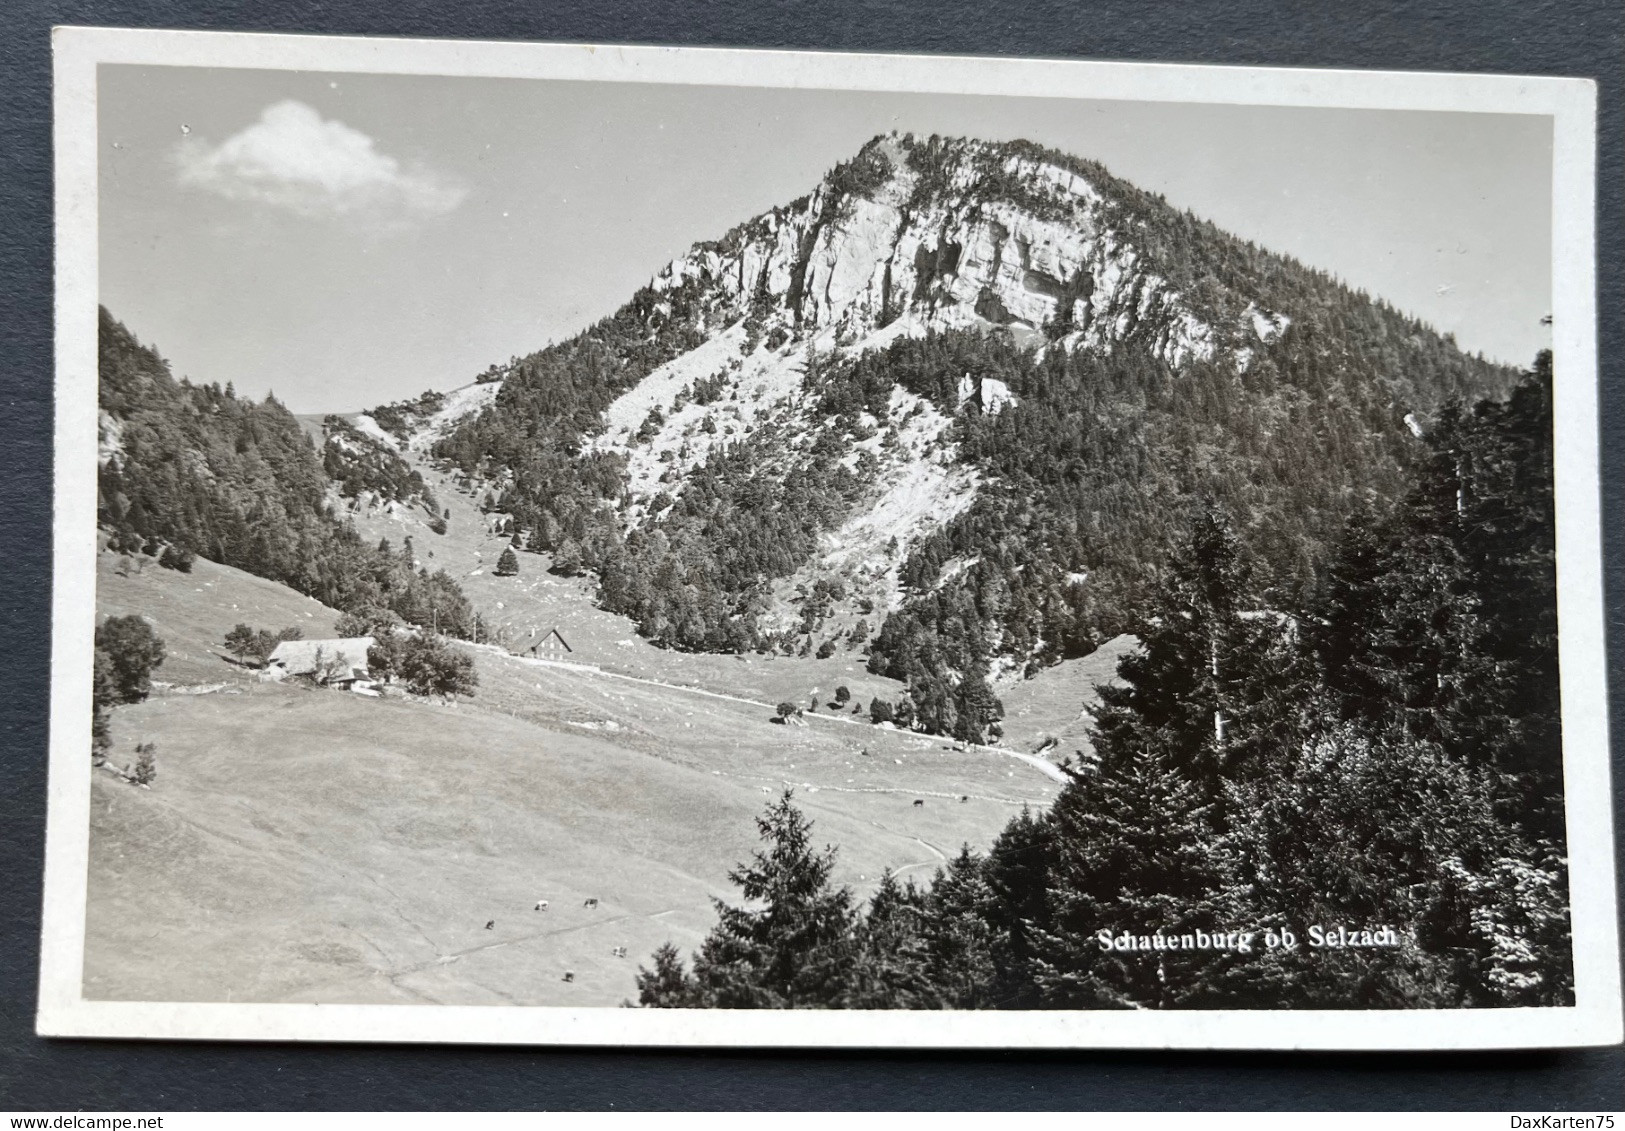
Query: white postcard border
{"x": 1571, "y": 103}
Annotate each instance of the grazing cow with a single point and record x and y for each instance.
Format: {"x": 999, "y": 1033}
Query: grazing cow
{"x": 541, "y": 905}
{"x": 619, "y": 952}
{"x": 590, "y": 902}
{"x": 569, "y": 975}
{"x": 490, "y": 924}
{"x": 918, "y": 803}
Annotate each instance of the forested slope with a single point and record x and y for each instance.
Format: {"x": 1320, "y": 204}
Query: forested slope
{"x": 238, "y": 482}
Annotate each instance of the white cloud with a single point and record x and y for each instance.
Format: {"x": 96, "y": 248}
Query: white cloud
{"x": 293, "y": 159}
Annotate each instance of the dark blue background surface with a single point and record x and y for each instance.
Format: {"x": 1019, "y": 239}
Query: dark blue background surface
{"x": 1584, "y": 38}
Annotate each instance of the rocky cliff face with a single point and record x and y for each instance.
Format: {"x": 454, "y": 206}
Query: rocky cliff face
{"x": 925, "y": 237}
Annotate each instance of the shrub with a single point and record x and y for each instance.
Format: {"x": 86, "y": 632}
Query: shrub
{"x": 843, "y": 695}
{"x": 255, "y": 645}
{"x": 426, "y": 664}
{"x": 146, "y": 764}
{"x": 126, "y": 542}
{"x": 241, "y": 641}
{"x": 177, "y": 558}
{"x": 879, "y": 711}
{"x": 567, "y": 559}
{"x": 133, "y": 650}
{"x": 786, "y": 709}
{"x": 384, "y": 657}
{"x": 826, "y": 649}
{"x": 371, "y": 621}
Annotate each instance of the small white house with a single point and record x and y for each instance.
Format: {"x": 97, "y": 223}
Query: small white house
{"x": 340, "y": 663}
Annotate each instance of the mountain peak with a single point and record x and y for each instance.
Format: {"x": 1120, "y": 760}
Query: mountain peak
{"x": 947, "y": 233}
{"x": 955, "y": 371}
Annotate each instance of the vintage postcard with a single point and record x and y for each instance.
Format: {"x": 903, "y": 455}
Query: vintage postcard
{"x": 601, "y": 545}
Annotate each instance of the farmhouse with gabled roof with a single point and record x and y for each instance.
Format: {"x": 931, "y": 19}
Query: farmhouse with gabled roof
{"x": 341, "y": 662}
{"x": 553, "y": 646}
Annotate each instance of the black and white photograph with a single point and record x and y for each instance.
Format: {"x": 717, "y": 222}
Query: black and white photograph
{"x": 680, "y": 546}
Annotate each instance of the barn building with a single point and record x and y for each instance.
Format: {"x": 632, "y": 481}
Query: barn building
{"x": 340, "y": 663}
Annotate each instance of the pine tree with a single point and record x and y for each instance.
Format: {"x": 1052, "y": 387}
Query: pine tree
{"x": 1507, "y": 542}
{"x": 1398, "y": 632}
{"x": 1017, "y": 872}
{"x": 891, "y": 966}
{"x": 1133, "y": 852}
{"x": 959, "y": 940}
{"x": 668, "y": 985}
{"x": 507, "y": 563}
{"x": 240, "y": 642}
{"x": 976, "y": 709}
{"x": 1207, "y": 689}
{"x": 791, "y": 944}
{"x": 567, "y": 558}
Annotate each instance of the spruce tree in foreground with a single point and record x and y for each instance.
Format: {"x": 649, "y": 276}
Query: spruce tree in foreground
{"x": 1133, "y": 855}
{"x": 508, "y": 563}
{"x": 925, "y": 947}
{"x": 891, "y": 967}
{"x": 1017, "y": 870}
{"x": 790, "y": 946}
{"x": 957, "y": 934}
{"x": 1205, "y": 692}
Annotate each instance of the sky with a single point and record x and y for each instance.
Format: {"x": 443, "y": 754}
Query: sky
{"x": 348, "y": 240}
